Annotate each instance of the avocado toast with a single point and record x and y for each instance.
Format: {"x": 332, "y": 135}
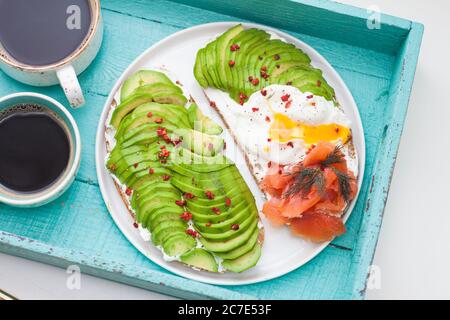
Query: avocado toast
{"x": 278, "y": 108}
{"x": 167, "y": 163}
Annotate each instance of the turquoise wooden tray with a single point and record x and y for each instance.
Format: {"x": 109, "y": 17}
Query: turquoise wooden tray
{"x": 377, "y": 65}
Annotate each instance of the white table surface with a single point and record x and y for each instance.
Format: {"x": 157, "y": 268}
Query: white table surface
{"x": 413, "y": 254}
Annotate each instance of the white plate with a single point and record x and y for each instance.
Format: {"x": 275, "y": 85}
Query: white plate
{"x": 282, "y": 252}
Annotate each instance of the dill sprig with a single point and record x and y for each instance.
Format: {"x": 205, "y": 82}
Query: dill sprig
{"x": 344, "y": 183}
{"x": 336, "y": 156}
{"x": 304, "y": 180}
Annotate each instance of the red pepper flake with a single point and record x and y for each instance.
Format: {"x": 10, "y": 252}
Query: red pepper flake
{"x": 186, "y": 216}
{"x": 313, "y": 104}
{"x": 264, "y": 68}
{"x": 280, "y": 171}
{"x": 267, "y": 119}
{"x": 231, "y": 63}
{"x": 319, "y": 83}
{"x": 113, "y": 167}
{"x": 290, "y": 144}
{"x": 255, "y": 81}
{"x": 178, "y": 82}
{"x": 235, "y": 227}
{"x": 337, "y": 129}
{"x": 310, "y": 96}
{"x": 269, "y": 140}
{"x": 265, "y": 75}
{"x": 255, "y": 109}
{"x": 242, "y": 96}
{"x": 228, "y": 202}
{"x": 215, "y": 210}
{"x": 224, "y": 145}
{"x": 151, "y": 171}
{"x": 264, "y": 92}
{"x": 180, "y": 203}
{"x": 135, "y": 225}
{"x": 188, "y": 195}
{"x": 150, "y": 114}
{"x": 285, "y": 97}
{"x": 288, "y": 104}
{"x": 164, "y": 153}
{"x": 135, "y": 165}
{"x": 161, "y": 132}
{"x": 167, "y": 138}
{"x": 241, "y": 102}
{"x": 250, "y": 78}
{"x": 176, "y": 142}
{"x": 165, "y": 177}
{"x": 269, "y": 164}
{"x": 128, "y": 192}
{"x": 209, "y": 194}
{"x": 212, "y": 104}
{"x": 276, "y": 57}
{"x": 234, "y": 47}
{"x": 208, "y": 224}
{"x": 158, "y": 120}
{"x": 192, "y": 233}
{"x": 289, "y": 83}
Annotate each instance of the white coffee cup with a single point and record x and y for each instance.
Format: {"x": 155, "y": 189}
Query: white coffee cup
{"x": 57, "y": 188}
{"x": 64, "y": 71}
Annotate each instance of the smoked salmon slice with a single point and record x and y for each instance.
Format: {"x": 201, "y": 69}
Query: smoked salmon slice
{"x": 311, "y": 198}
{"x": 317, "y": 227}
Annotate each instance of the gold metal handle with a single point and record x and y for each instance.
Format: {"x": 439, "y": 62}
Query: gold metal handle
{"x": 6, "y": 296}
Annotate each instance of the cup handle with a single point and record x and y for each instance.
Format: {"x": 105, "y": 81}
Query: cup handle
{"x": 69, "y": 82}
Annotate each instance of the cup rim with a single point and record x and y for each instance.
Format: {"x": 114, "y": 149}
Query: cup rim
{"x": 95, "y": 24}
{"x": 66, "y": 181}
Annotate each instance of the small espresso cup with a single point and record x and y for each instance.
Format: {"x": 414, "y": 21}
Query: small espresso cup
{"x": 60, "y": 185}
{"x": 64, "y": 71}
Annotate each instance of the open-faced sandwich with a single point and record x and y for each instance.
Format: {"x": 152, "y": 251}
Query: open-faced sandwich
{"x": 285, "y": 116}
{"x": 184, "y": 194}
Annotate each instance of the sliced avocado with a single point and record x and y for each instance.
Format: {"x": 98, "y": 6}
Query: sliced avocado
{"x": 200, "y": 143}
{"x": 244, "y": 262}
{"x": 166, "y": 229}
{"x": 254, "y": 38}
{"x": 164, "y": 214}
{"x": 158, "y": 87}
{"x": 202, "y": 123}
{"x": 211, "y": 63}
{"x": 128, "y": 105}
{"x": 178, "y": 244}
{"x": 140, "y": 78}
{"x": 230, "y": 244}
{"x": 230, "y": 234}
{"x": 239, "y": 251}
{"x": 222, "y": 48}
{"x": 198, "y": 72}
{"x": 201, "y": 259}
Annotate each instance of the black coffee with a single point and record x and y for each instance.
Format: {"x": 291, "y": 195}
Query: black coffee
{"x": 34, "y": 148}
{"x": 42, "y": 32}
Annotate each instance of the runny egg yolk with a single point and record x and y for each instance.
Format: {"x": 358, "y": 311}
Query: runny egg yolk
{"x": 284, "y": 129}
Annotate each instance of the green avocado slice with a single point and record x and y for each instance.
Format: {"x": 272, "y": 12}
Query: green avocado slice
{"x": 229, "y": 244}
{"x": 244, "y": 262}
{"x": 239, "y": 251}
{"x": 200, "y": 258}
{"x": 140, "y": 78}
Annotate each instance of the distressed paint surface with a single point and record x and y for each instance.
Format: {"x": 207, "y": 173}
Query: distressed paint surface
{"x": 377, "y": 67}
